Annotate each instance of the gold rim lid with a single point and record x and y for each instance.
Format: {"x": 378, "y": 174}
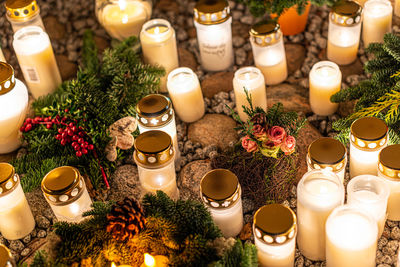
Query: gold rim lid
{"x": 346, "y": 13}
{"x": 7, "y": 78}
{"x": 60, "y": 180}
{"x": 21, "y": 9}
{"x": 274, "y": 224}
{"x": 325, "y": 153}
{"x": 154, "y": 110}
{"x": 5, "y": 255}
{"x": 369, "y": 133}
{"x": 265, "y": 32}
{"x": 211, "y": 11}
{"x": 8, "y": 178}
{"x": 389, "y": 161}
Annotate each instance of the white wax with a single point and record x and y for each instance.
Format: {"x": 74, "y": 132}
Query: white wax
{"x": 393, "y": 207}
{"x": 363, "y": 162}
{"x": 275, "y": 255}
{"x": 229, "y": 220}
{"x": 343, "y": 43}
{"x": 340, "y": 173}
{"x": 2, "y": 58}
{"x": 377, "y": 21}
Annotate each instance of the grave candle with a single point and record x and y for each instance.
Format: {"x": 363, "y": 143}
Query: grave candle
{"x": 269, "y": 52}
{"x": 377, "y": 21}
{"x": 185, "y": 92}
{"x": 318, "y": 193}
{"x": 6, "y": 259}
{"x": 23, "y": 13}
{"x": 36, "y": 59}
{"x": 367, "y": 138}
{"x": 156, "y": 261}
{"x": 325, "y": 80}
{"x": 252, "y": 80}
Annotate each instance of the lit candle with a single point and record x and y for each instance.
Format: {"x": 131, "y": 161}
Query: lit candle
{"x": 397, "y": 13}
{"x": 16, "y": 219}
{"x": 13, "y": 105}
{"x": 185, "y": 92}
{"x": 123, "y": 18}
{"x": 156, "y": 261}
{"x": 36, "y": 59}
{"x": 268, "y": 51}
{"x": 213, "y": 21}
{"x": 21, "y": 14}
{"x": 344, "y": 32}
{"x": 318, "y": 193}
{"x": 368, "y": 137}
{"x": 154, "y": 156}
{"x": 351, "y": 238}
{"x": 124, "y": 265}
{"x": 371, "y": 194}
{"x": 327, "y": 153}
{"x": 377, "y": 21}
{"x": 389, "y": 171}
{"x": 66, "y": 193}
{"x": 221, "y": 193}
{"x": 274, "y": 229}
{"x": 252, "y": 80}
{"x": 159, "y": 47}
{"x": 325, "y": 81}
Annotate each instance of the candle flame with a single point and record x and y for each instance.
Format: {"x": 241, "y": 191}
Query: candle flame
{"x": 122, "y": 4}
{"x": 149, "y": 260}
{"x": 247, "y": 76}
{"x": 125, "y": 19}
{"x": 156, "y": 30}
{"x": 113, "y": 265}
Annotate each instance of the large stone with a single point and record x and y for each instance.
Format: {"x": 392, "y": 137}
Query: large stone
{"x": 40, "y": 207}
{"x": 67, "y": 68}
{"x": 190, "y": 177}
{"x": 240, "y": 29}
{"x": 54, "y": 28}
{"x": 125, "y": 182}
{"x": 187, "y": 59}
{"x": 346, "y": 108}
{"x": 167, "y": 5}
{"x": 295, "y": 55}
{"x": 213, "y": 129}
{"x": 101, "y": 43}
{"x": 217, "y": 82}
{"x": 293, "y": 98}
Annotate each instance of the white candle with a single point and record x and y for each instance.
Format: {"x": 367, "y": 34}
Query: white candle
{"x": 377, "y": 21}
{"x": 36, "y": 59}
{"x": 250, "y": 79}
{"x": 22, "y": 14}
{"x": 351, "y": 238}
{"x": 185, "y": 92}
{"x": 325, "y": 81}
{"x": 159, "y": 47}
{"x": 397, "y": 13}
{"x": 318, "y": 193}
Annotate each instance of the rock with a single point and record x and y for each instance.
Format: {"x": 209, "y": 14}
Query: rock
{"x": 217, "y": 82}
{"x": 25, "y": 252}
{"x": 27, "y": 239}
{"x": 213, "y": 129}
{"x": 16, "y": 245}
{"x": 395, "y": 233}
{"x": 54, "y": 28}
{"x": 47, "y": 245}
{"x": 67, "y": 68}
{"x": 240, "y": 29}
{"x": 42, "y": 234}
{"x": 101, "y": 43}
{"x": 111, "y": 149}
{"x": 346, "y": 108}
{"x": 167, "y": 5}
{"x": 246, "y": 232}
{"x": 42, "y": 222}
{"x": 125, "y": 182}
{"x": 248, "y": 205}
{"x": 295, "y": 55}
{"x": 123, "y": 129}
{"x": 292, "y": 97}
{"x": 187, "y": 59}
{"x": 39, "y": 205}
{"x": 190, "y": 177}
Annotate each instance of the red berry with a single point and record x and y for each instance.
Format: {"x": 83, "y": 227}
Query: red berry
{"x": 63, "y": 142}
{"x": 48, "y": 126}
{"x": 70, "y": 124}
{"x": 58, "y": 137}
{"x": 73, "y": 128}
{"x": 70, "y": 132}
{"x": 64, "y": 119}
{"x": 28, "y": 127}
{"x": 60, "y": 130}
{"x": 46, "y": 119}
{"x": 66, "y": 110}
{"x": 53, "y": 120}
{"x": 80, "y": 140}
{"x": 22, "y": 129}
{"x": 77, "y": 148}
{"x": 81, "y": 134}
{"x": 80, "y": 128}
{"x": 84, "y": 151}
{"x": 78, "y": 153}
{"x": 64, "y": 134}
{"x": 75, "y": 137}
{"x": 83, "y": 145}
{"x": 90, "y": 147}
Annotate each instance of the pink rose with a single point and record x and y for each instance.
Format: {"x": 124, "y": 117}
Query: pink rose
{"x": 248, "y": 144}
{"x": 289, "y": 144}
{"x": 276, "y": 134}
{"x": 259, "y": 131}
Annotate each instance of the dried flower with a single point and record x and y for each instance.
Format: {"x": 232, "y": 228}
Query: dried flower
{"x": 259, "y": 131}
{"x": 289, "y": 144}
{"x": 249, "y": 144}
{"x": 276, "y": 134}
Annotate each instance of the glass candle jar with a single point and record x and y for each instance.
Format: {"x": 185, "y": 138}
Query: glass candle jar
{"x": 23, "y": 13}
{"x": 13, "y": 105}
{"x": 154, "y": 156}
{"x": 6, "y": 259}
{"x": 252, "y": 80}
{"x": 318, "y": 193}
{"x": 213, "y": 21}
{"x": 221, "y": 193}
{"x": 367, "y": 138}
{"x": 268, "y": 51}
{"x": 389, "y": 171}
{"x": 274, "y": 229}
{"x": 186, "y": 95}
{"x": 327, "y": 153}
{"x": 155, "y": 112}
{"x": 37, "y": 61}
{"x": 325, "y": 81}
{"x": 344, "y": 32}
{"x": 351, "y": 238}
{"x": 66, "y": 193}
{"x": 16, "y": 219}
{"x": 377, "y": 21}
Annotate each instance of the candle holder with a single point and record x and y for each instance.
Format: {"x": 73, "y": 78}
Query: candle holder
{"x": 186, "y": 95}
{"x": 6, "y": 259}
{"x": 327, "y": 153}
{"x": 325, "y": 81}
{"x": 252, "y": 80}
{"x": 268, "y": 51}
{"x": 213, "y": 21}
{"x": 389, "y": 171}
{"x": 344, "y": 32}
{"x": 66, "y": 193}
{"x": 221, "y": 193}
{"x": 318, "y": 193}
{"x": 123, "y": 18}
{"x": 351, "y": 238}
{"x": 155, "y": 112}
{"x": 16, "y": 219}
{"x": 274, "y": 229}
{"x": 377, "y": 21}
{"x": 367, "y": 138}
{"x": 13, "y": 105}
{"x": 23, "y": 13}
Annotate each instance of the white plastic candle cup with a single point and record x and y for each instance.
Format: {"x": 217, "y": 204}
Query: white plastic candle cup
{"x": 377, "y": 21}
{"x": 22, "y": 14}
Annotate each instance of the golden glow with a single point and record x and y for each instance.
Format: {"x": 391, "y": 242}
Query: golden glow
{"x": 113, "y": 265}
{"x": 122, "y": 4}
{"x": 149, "y": 260}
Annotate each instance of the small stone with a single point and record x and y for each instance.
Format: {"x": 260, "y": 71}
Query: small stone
{"x": 236, "y": 14}
{"x": 27, "y": 239}
{"x": 395, "y": 233}
{"x": 238, "y": 41}
{"x": 248, "y": 205}
{"x": 42, "y": 234}
{"x": 240, "y": 56}
{"x": 321, "y": 42}
{"x": 79, "y": 24}
{"x": 25, "y": 252}
{"x": 248, "y": 19}
{"x": 16, "y": 245}
{"x": 299, "y": 261}
{"x": 191, "y": 174}
{"x": 181, "y": 35}
{"x": 42, "y": 222}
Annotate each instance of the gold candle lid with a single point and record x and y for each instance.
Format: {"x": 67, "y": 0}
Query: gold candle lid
{"x": 8, "y": 178}
{"x": 21, "y": 10}
{"x": 211, "y": 11}
{"x": 153, "y": 149}
{"x": 274, "y": 224}
{"x": 154, "y": 110}
{"x": 327, "y": 153}
{"x": 7, "y": 79}
{"x": 346, "y": 13}
{"x": 220, "y": 188}
{"x": 389, "y": 161}
{"x": 5, "y": 256}
{"x": 369, "y": 133}
{"x": 265, "y": 33}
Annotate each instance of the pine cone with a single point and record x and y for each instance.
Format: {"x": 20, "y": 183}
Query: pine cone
{"x": 258, "y": 118}
{"x": 126, "y": 219}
